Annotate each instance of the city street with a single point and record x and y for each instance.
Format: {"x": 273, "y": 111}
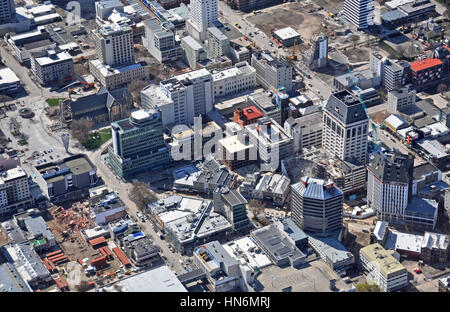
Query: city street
{"x": 115, "y": 183}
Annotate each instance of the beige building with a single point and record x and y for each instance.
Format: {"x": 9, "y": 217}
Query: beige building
{"x": 383, "y": 268}
{"x": 116, "y": 77}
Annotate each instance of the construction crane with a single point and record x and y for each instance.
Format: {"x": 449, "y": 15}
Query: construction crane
{"x": 293, "y": 56}
{"x": 374, "y": 126}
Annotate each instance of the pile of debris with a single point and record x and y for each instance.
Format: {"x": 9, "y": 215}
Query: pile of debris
{"x": 75, "y": 219}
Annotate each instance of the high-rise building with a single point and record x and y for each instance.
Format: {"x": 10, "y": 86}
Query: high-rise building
{"x": 14, "y": 190}
{"x": 138, "y": 144}
{"x": 345, "y": 127}
{"x": 316, "y": 206}
{"x": 389, "y": 185}
{"x": 202, "y": 14}
{"x": 217, "y": 44}
{"x": 391, "y": 75}
{"x": 7, "y": 11}
{"x": 114, "y": 44}
{"x": 360, "y": 13}
{"x": 182, "y": 97}
{"x": 272, "y": 73}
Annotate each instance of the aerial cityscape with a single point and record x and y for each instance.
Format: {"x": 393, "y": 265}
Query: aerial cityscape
{"x": 243, "y": 146}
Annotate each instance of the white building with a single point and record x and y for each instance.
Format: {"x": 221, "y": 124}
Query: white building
{"x": 401, "y": 98}
{"x": 234, "y": 80}
{"x": 160, "y": 41}
{"x": 306, "y": 130}
{"x": 9, "y": 83}
{"x": 360, "y": 13}
{"x": 14, "y": 190}
{"x": 202, "y": 14}
{"x": 104, "y": 8}
{"x": 272, "y": 73}
{"x": 383, "y": 268}
{"x": 52, "y": 68}
{"x": 114, "y": 44}
{"x": 388, "y": 186}
{"x": 217, "y": 43}
{"x": 182, "y": 97}
{"x": 345, "y": 127}
{"x": 193, "y": 51}
{"x": 117, "y": 77}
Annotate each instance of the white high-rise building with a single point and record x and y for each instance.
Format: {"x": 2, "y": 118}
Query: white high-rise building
{"x": 359, "y": 12}
{"x": 389, "y": 186}
{"x": 202, "y": 14}
{"x": 114, "y": 44}
{"x": 7, "y": 11}
{"x": 182, "y": 97}
{"x": 345, "y": 127}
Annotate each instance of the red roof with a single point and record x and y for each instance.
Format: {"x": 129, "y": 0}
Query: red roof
{"x": 119, "y": 253}
{"x": 424, "y": 64}
{"x": 448, "y": 48}
{"x": 252, "y": 112}
{"x": 98, "y": 261}
{"x": 97, "y": 241}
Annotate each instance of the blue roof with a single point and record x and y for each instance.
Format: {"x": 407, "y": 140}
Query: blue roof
{"x": 422, "y": 206}
{"x": 316, "y": 189}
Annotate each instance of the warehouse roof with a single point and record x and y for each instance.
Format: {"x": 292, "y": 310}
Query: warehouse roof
{"x": 286, "y": 33}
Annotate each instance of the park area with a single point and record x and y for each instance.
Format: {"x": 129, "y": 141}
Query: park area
{"x": 54, "y": 101}
{"x": 97, "y": 138}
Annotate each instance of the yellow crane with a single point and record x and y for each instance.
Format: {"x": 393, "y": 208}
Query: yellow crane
{"x": 293, "y": 56}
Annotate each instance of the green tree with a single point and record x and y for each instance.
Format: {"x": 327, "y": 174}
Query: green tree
{"x": 141, "y": 195}
{"x": 80, "y": 129}
{"x": 366, "y": 287}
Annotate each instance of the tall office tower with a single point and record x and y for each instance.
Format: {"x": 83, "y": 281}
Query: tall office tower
{"x": 114, "y": 44}
{"x": 138, "y": 144}
{"x": 7, "y": 11}
{"x": 389, "y": 185}
{"x": 377, "y": 64}
{"x": 203, "y": 13}
{"x": 345, "y": 127}
{"x": 359, "y": 12}
{"x": 272, "y": 73}
{"x": 316, "y": 206}
{"x": 182, "y": 97}
{"x": 392, "y": 75}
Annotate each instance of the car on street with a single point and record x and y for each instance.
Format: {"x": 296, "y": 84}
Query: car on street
{"x": 418, "y": 271}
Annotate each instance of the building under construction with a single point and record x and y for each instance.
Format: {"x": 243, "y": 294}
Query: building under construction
{"x": 348, "y": 176}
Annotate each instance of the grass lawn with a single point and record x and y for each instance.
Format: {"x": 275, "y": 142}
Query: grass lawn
{"x": 54, "y": 102}
{"x": 97, "y": 138}
{"x": 22, "y": 142}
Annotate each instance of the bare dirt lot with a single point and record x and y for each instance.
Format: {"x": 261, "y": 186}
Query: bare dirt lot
{"x": 307, "y": 24}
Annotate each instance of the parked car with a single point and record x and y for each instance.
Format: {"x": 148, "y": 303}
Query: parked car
{"x": 418, "y": 271}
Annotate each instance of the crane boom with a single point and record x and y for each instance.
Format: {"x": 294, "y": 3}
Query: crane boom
{"x": 374, "y": 127}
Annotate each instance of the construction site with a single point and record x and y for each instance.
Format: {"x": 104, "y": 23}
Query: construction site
{"x": 312, "y": 20}
{"x": 80, "y": 261}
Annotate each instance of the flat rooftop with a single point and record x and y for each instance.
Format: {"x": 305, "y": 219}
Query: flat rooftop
{"x": 160, "y": 279}
{"x": 246, "y": 251}
{"x": 286, "y": 33}
{"x": 388, "y": 265}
